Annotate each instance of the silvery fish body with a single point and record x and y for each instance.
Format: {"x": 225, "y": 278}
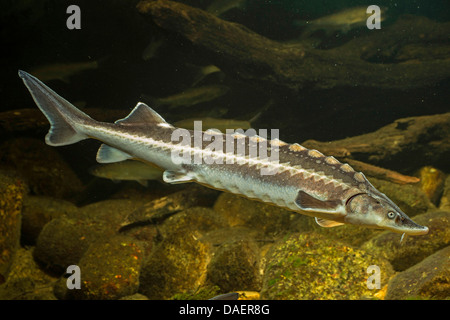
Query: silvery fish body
{"x": 299, "y": 179}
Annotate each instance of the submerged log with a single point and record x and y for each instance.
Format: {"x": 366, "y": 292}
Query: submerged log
{"x": 381, "y": 173}
{"x": 252, "y": 57}
{"x": 405, "y": 144}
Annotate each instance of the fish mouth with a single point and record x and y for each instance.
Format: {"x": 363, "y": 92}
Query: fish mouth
{"x": 418, "y": 230}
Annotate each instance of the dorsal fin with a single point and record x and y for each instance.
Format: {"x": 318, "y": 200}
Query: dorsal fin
{"x": 142, "y": 114}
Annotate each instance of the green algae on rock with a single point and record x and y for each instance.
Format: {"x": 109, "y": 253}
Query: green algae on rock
{"x": 203, "y": 293}
{"x": 239, "y": 211}
{"x": 198, "y": 220}
{"x": 12, "y": 192}
{"x": 406, "y": 253}
{"x": 352, "y": 235}
{"x": 429, "y": 279}
{"x": 161, "y": 208}
{"x": 43, "y": 168}
{"x": 432, "y": 182}
{"x": 110, "y": 269}
{"x": 176, "y": 265}
{"x": 309, "y": 266}
{"x": 112, "y": 210}
{"x": 445, "y": 199}
{"x": 38, "y": 211}
{"x": 235, "y": 266}
{"x": 63, "y": 241}
{"x": 26, "y": 281}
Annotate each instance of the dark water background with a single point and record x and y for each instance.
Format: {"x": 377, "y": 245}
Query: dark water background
{"x": 34, "y": 33}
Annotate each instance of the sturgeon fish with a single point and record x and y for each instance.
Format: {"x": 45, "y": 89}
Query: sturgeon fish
{"x": 305, "y": 181}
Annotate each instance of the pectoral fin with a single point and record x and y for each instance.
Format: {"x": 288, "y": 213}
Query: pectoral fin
{"x": 327, "y": 223}
{"x": 107, "y": 154}
{"x": 309, "y": 203}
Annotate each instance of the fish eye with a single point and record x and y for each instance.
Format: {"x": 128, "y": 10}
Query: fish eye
{"x": 391, "y": 214}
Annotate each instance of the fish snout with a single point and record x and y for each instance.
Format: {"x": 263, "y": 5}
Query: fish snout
{"x": 408, "y": 226}
{"x": 422, "y": 230}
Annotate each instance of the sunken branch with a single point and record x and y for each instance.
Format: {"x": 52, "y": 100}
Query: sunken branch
{"x": 254, "y": 58}
{"x": 405, "y": 144}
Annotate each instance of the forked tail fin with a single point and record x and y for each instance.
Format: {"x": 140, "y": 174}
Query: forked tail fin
{"x": 62, "y": 115}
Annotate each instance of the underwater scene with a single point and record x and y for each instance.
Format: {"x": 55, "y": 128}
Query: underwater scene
{"x": 121, "y": 169}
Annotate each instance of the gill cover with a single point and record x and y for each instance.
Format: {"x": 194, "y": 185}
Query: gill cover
{"x": 378, "y": 211}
